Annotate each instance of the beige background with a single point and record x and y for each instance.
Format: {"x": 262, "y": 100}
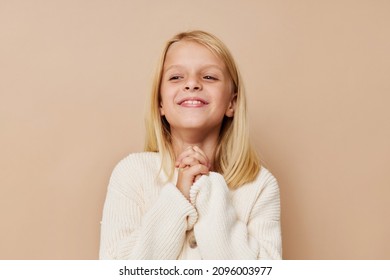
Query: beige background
{"x": 75, "y": 75}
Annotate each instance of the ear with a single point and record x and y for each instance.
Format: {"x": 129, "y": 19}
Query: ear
{"x": 232, "y": 106}
{"x": 162, "y": 112}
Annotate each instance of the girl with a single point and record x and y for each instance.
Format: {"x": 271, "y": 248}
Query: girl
{"x": 198, "y": 192}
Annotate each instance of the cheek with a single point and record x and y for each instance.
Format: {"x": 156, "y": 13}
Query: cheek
{"x": 166, "y": 92}
{"x": 225, "y": 96}
{"x": 163, "y": 96}
{"x": 166, "y": 99}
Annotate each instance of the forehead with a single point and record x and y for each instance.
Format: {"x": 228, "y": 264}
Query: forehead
{"x": 187, "y": 52}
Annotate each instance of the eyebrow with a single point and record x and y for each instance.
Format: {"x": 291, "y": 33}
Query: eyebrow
{"x": 203, "y": 67}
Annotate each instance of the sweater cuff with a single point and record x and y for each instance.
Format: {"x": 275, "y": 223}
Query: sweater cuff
{"x": 176, "y": 200}
{"x": 208, "y": 188}
{"x": 195, "y": 188}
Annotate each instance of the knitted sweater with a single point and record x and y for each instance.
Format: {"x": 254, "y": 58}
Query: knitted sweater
{"x": 147, "y": 217}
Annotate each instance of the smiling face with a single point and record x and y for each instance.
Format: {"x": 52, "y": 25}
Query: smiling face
{"x": 196, "y": 89}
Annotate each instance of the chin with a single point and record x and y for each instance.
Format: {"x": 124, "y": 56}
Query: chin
{"x": 192, "y": 125}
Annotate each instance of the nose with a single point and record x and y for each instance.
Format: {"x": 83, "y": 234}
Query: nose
{"x": 192, "y": 85}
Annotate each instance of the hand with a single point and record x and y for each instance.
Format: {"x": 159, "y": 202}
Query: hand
{"x": 192, "y": 164}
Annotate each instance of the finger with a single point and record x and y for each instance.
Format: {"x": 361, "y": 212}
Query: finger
{"x": 184, "y": 154}
{"x": 200, "y": 151}
{"x": 201, "y": 157}
{"x": 198, "y": 169}
{"x": 188, "y": 175}
{"x": 193, "y": 159}
{"x": 182, "y": 165}
{"x": 192, "y": 154}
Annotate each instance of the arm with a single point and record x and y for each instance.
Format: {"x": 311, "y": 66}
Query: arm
{"x": 129, "y": 231}
{"x": 222, "y": 234}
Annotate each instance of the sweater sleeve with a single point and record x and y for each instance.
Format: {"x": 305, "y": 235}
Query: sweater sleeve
{"x": 221, "y": 234}
{"x": 129, "y": 231}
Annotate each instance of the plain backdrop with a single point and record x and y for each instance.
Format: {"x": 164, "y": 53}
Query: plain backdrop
{"x": 75, "y": 77}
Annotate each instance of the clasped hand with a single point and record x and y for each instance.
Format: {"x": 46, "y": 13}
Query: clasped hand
{"x": 192, "y": 164}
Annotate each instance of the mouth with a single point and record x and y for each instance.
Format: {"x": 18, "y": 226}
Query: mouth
{"x": 192, "y": 102}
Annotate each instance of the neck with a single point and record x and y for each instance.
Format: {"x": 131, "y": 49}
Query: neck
{"x": 206, "y": 142}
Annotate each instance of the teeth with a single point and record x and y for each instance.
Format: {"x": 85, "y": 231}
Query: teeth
{"x": 192, "y": 102}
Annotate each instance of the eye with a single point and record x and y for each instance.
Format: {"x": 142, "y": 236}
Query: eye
{"x": 208, "y": 77}
{"x": 175, "y": 77}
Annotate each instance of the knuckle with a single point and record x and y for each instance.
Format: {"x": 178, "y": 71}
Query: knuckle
{"x": 200, "y": 167}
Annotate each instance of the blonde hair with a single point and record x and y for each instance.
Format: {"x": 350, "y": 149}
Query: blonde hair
{"x": 235, "y": 158}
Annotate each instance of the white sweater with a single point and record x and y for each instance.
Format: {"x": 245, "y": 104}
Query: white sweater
{"x": 145, "y": 218}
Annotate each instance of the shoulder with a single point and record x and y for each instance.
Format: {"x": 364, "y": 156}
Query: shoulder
{"x": 135, "y": 160}
{"x": 265, "y": 177}
{"x": 257, "y": 197}
{"x": 136, "y": 164}
{"x": 267, "y": 189}
{"x": 264, "y": 183}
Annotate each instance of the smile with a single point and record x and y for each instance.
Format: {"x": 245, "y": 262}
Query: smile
{"x": 192, "y": 102}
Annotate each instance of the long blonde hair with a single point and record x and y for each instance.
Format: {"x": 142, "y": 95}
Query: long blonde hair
{"x": 235, "y": 158}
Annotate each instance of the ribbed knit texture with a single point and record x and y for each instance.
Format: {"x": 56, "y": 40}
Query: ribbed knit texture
{"x": 144, "y": 218}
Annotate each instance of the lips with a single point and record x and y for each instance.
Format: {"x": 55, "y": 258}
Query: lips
{"x": 192, "y": 101}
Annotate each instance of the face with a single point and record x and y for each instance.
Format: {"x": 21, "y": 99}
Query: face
{"x": 196, "y": 88}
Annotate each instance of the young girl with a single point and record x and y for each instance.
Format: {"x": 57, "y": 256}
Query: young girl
{"x": 198, "y": 192}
